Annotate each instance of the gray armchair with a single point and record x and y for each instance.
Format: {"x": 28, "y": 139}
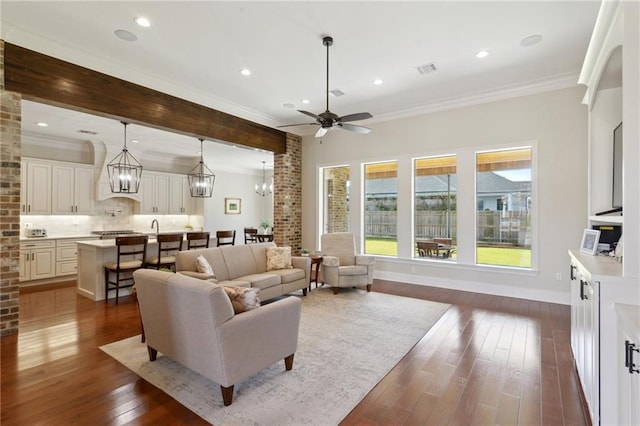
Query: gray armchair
{"x": 192, "y": 322}
{"x": 341, "y": 266}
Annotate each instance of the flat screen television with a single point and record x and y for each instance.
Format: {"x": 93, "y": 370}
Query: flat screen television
{"x": 617, "y": 167}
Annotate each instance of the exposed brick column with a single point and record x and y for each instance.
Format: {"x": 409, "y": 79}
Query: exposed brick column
{"x": 10, "y": 152}
{"x": 287, "y": 195}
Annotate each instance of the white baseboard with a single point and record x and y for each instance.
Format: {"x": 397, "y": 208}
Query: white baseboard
{"x": 478, "y": 287}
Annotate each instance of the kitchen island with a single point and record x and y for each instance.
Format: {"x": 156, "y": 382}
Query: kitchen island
{"x": 92, "y": 255}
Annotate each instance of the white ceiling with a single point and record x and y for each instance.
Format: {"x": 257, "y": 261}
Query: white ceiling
{"x": 195, "y": 50}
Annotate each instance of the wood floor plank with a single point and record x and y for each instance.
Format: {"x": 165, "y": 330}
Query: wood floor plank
{"x": 488, "y": 360}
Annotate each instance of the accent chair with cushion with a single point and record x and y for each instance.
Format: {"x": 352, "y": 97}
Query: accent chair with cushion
{"x": 192, "y": 321}
{"x": 341, "y": 266}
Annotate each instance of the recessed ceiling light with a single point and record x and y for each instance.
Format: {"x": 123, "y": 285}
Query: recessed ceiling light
{"x": 245, "y": 71}
{"x": 377, "y": 81}
{"x": 482, "y": 54}
{"x": 41, "y": 124}
{"x": 305, "y": 101}
{"x": 288, "y": 105}
{"x": 125, "y": 35}
{"x": 531, "y": 40}
{"x": 143, "y": 22}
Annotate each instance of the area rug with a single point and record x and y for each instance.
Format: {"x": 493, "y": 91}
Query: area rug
{"x": 348, "y": 342}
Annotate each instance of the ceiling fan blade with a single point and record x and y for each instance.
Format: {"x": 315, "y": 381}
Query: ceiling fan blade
{"x": 354, "y": 128}
{"x": 355, "y": 117}
{"x": 300, "y": 124}
{"x": 310, "y": 114}
{"x": 321, "y": 132}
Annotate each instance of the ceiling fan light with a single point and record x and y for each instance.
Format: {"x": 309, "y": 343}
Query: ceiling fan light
{"x": 125, "y": 172}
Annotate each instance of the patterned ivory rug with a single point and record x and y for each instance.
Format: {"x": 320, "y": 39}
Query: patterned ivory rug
{"x": 348, "y": 342}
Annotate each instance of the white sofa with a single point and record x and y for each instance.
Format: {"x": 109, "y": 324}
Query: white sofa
{"x": 193, "y": 322}
{"x": 246, "y": 266}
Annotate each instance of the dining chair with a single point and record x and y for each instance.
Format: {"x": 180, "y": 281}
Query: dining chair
{"x": 131, "y": 254}
{"x": 225, "y": 238}
{"x": 168, "y": 245}
{"x": 250, "y": 235}
{"x": 197, "y": 240}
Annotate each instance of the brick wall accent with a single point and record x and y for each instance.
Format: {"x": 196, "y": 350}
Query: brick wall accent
{"x": 10, "y": 153}
{"x": 287, "y": 195}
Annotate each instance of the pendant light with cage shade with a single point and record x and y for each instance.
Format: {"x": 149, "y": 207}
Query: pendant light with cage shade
{"x": 125, "y": 172}
{"x": 201, "y": 178}
{"x": 264, "y": 189}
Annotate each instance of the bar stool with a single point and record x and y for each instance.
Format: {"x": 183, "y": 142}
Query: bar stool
{"x": 131, "y": 253}
{"x": 168, "y": 245}
{"x": 225, "y": 238}
{"x": 197, "y": 240}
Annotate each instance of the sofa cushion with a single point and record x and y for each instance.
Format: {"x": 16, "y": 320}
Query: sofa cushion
{"x": 278, "y": 258}
{"x": 262, "y": 280}
{"x": 289, "y": 275}
{"x": 353, "y": 270}
{"x": 242, "y": 298}
{"x": 203, "y": 266}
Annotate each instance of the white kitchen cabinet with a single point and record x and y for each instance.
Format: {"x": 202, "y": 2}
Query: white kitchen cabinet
{"x": 154, "y": 193}
{"x": 585, "y": 333}
{"x": 180, "y": 201}
{"x": 35, "y": 189}
{"x": 72, "y": 189}
{"x": 37, "y": 260}
{"x": 628, "y": 366}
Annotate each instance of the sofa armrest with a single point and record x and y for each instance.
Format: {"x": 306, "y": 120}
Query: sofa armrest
{"x": 255, "y": 339}
{"x": 304, "y": 263}
{"x": 199, "y": 275}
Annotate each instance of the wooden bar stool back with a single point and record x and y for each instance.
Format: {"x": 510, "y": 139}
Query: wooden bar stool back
{"x": 225, "y": 238}
{"x": 168, "y": 245}
{"x": 131, "y": 253}
{"x": 197, "y": 240}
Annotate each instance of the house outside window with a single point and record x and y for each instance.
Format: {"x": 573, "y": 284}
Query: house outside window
{"x": 381, "y": 208}
{"x": 335, "y": 199}
{"x": 435, "y": 206}
{"x": 503, "y": 235}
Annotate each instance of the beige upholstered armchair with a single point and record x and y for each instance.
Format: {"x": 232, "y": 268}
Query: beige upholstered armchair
{"x": 341, "y": 266}
{"x": 192, "y": 322}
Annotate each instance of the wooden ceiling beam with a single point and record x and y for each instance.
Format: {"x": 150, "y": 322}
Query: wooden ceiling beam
{"x": 45, "y": 79}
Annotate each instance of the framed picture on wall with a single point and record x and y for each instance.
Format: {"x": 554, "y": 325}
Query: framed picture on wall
{"x": 232, "y": 205}
{"x": 589, "y": 243}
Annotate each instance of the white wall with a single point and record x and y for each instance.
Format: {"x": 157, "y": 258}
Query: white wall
{"x": 555, "y": 122}
{"x": 254, "y": 208}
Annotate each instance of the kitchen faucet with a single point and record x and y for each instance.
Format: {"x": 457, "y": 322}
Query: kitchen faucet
{"x": 157, "y": 226}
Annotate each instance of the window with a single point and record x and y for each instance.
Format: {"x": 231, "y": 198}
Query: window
{"x": 380, "y": 208}
{"x": 335, "y": 211}
{"x": 503, "y": 235}
{"x": 435, "y": 206}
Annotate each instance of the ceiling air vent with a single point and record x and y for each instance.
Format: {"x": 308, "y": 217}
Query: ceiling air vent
{"x": 87, "y": 132}
{"x": 427, "y": 68}
{"x": 336, "y": 93}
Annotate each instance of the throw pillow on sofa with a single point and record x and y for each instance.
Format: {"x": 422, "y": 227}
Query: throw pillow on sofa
{"x": 203, "y": 266}
{"x": 243, "y": 298}
{"x": 278, "y": 258}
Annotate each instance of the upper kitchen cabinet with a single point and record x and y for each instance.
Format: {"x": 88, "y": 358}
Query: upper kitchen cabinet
{"x": 35, "y": 189}
{"x": 154, "y": 193}
{"x": 73, "y": 190}
{"x": 180, "y": 201}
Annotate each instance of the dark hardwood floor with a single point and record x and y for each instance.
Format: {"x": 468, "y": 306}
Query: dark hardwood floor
{"x": 489, "y": 360}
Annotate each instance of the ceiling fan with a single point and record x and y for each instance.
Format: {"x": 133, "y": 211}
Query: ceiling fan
{"x": 328, "y": 120}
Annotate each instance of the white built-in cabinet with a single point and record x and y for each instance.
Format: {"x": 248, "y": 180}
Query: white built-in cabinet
{"x": 180, "y": 201}
{"x": 35, "y": 189}
{"x": 72, "y": 189}
{"x": 628, "y": 365}
{"x": 154, "y": 193}
{"x": 37, "y": 260}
